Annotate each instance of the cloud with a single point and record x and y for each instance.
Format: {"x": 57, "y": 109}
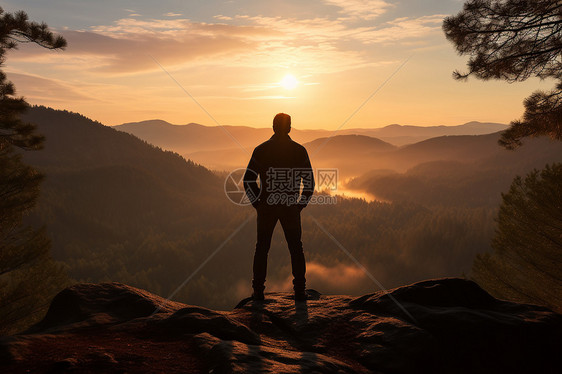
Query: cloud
{"x": 44, "y": 89}
{"x": 363, "y": 9}
{"x": 309, "y": 31}
{"x": 323, "y": 32}
{"x": 126, "y": 45}
{"x": 131, "y": 53}
{"x": 117, "y": 51}
{"x": 172, "y": 14}
{"x": 132, "y": 13}
{"x": 223, "y": 18}
{"x": 403, "y": 29}
{"x": 314, "y": 45}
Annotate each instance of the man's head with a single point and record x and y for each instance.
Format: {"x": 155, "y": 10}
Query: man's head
{"x": 282, "y": 124}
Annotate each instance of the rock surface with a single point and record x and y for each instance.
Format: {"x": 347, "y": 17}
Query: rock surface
{"x": 436, "y": 326}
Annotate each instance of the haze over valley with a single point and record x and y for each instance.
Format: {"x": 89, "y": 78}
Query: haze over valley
{"x": 121, "y": 209}
{"x": 229, "y": 147}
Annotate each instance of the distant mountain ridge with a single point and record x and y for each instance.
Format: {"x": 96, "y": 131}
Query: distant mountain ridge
{"x": 193, "y": 137}
{"x": 227, "y": 147}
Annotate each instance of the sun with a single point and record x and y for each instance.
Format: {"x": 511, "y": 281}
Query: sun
{"x": 289, "y": 82}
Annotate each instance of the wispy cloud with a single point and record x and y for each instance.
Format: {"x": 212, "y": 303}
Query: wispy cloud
{"x": 223, "y": 18}
{"x": 132, "y": 13}
{"x": 46, "y": 89}
{"x": 363, "y": 9}
{"x": 129, "y": 53}
{"x": 404, "y": 29}
{"x": 315, "y": 45}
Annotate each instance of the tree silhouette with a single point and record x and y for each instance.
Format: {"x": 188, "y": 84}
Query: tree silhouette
{"x": 28, "y": 276}
{"x": 526, "y": 264}
{"x": 16, "y": 28}
{"x": 514, "y": 40}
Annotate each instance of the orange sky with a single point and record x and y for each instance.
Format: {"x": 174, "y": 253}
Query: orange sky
{"x": 231, "y": 57}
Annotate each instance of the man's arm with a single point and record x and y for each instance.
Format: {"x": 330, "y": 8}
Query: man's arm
{"x": 307, "y": 181}
{"x": 250, "y": 181}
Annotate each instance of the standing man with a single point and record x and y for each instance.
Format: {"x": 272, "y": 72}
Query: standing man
{"x": 282, "y": 166}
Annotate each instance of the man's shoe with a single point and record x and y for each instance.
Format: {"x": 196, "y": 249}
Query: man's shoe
{"x": 258, "y": 296}
{"x": 301, "y": 295}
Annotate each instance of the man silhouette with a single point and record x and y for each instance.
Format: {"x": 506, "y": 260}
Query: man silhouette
{"x": 282, "y": 166}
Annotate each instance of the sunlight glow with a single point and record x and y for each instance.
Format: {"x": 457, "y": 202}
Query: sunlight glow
{"x": 289, "y": 82}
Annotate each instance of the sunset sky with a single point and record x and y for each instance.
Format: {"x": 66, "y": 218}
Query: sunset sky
{"x": 232, "y": 56}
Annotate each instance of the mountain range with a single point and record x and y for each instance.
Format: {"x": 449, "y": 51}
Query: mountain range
{"x": 194, "y": 137}
{"x": 225, "y": 147}
{"x": 354, "y": 155}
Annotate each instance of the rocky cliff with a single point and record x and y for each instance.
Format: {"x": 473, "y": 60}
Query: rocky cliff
{"x": 435, "y": 326}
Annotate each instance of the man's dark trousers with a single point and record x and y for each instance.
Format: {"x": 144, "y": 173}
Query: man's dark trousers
{"x": 290, "y": 218}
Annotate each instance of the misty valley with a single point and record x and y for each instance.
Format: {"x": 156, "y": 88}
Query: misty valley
{"x": 130, "y": 209}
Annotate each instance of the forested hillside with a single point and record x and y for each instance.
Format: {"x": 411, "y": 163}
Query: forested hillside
{"x": 108, "y": 194}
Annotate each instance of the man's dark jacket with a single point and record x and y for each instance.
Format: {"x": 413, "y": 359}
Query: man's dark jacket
{"x": 283, "y": 158}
